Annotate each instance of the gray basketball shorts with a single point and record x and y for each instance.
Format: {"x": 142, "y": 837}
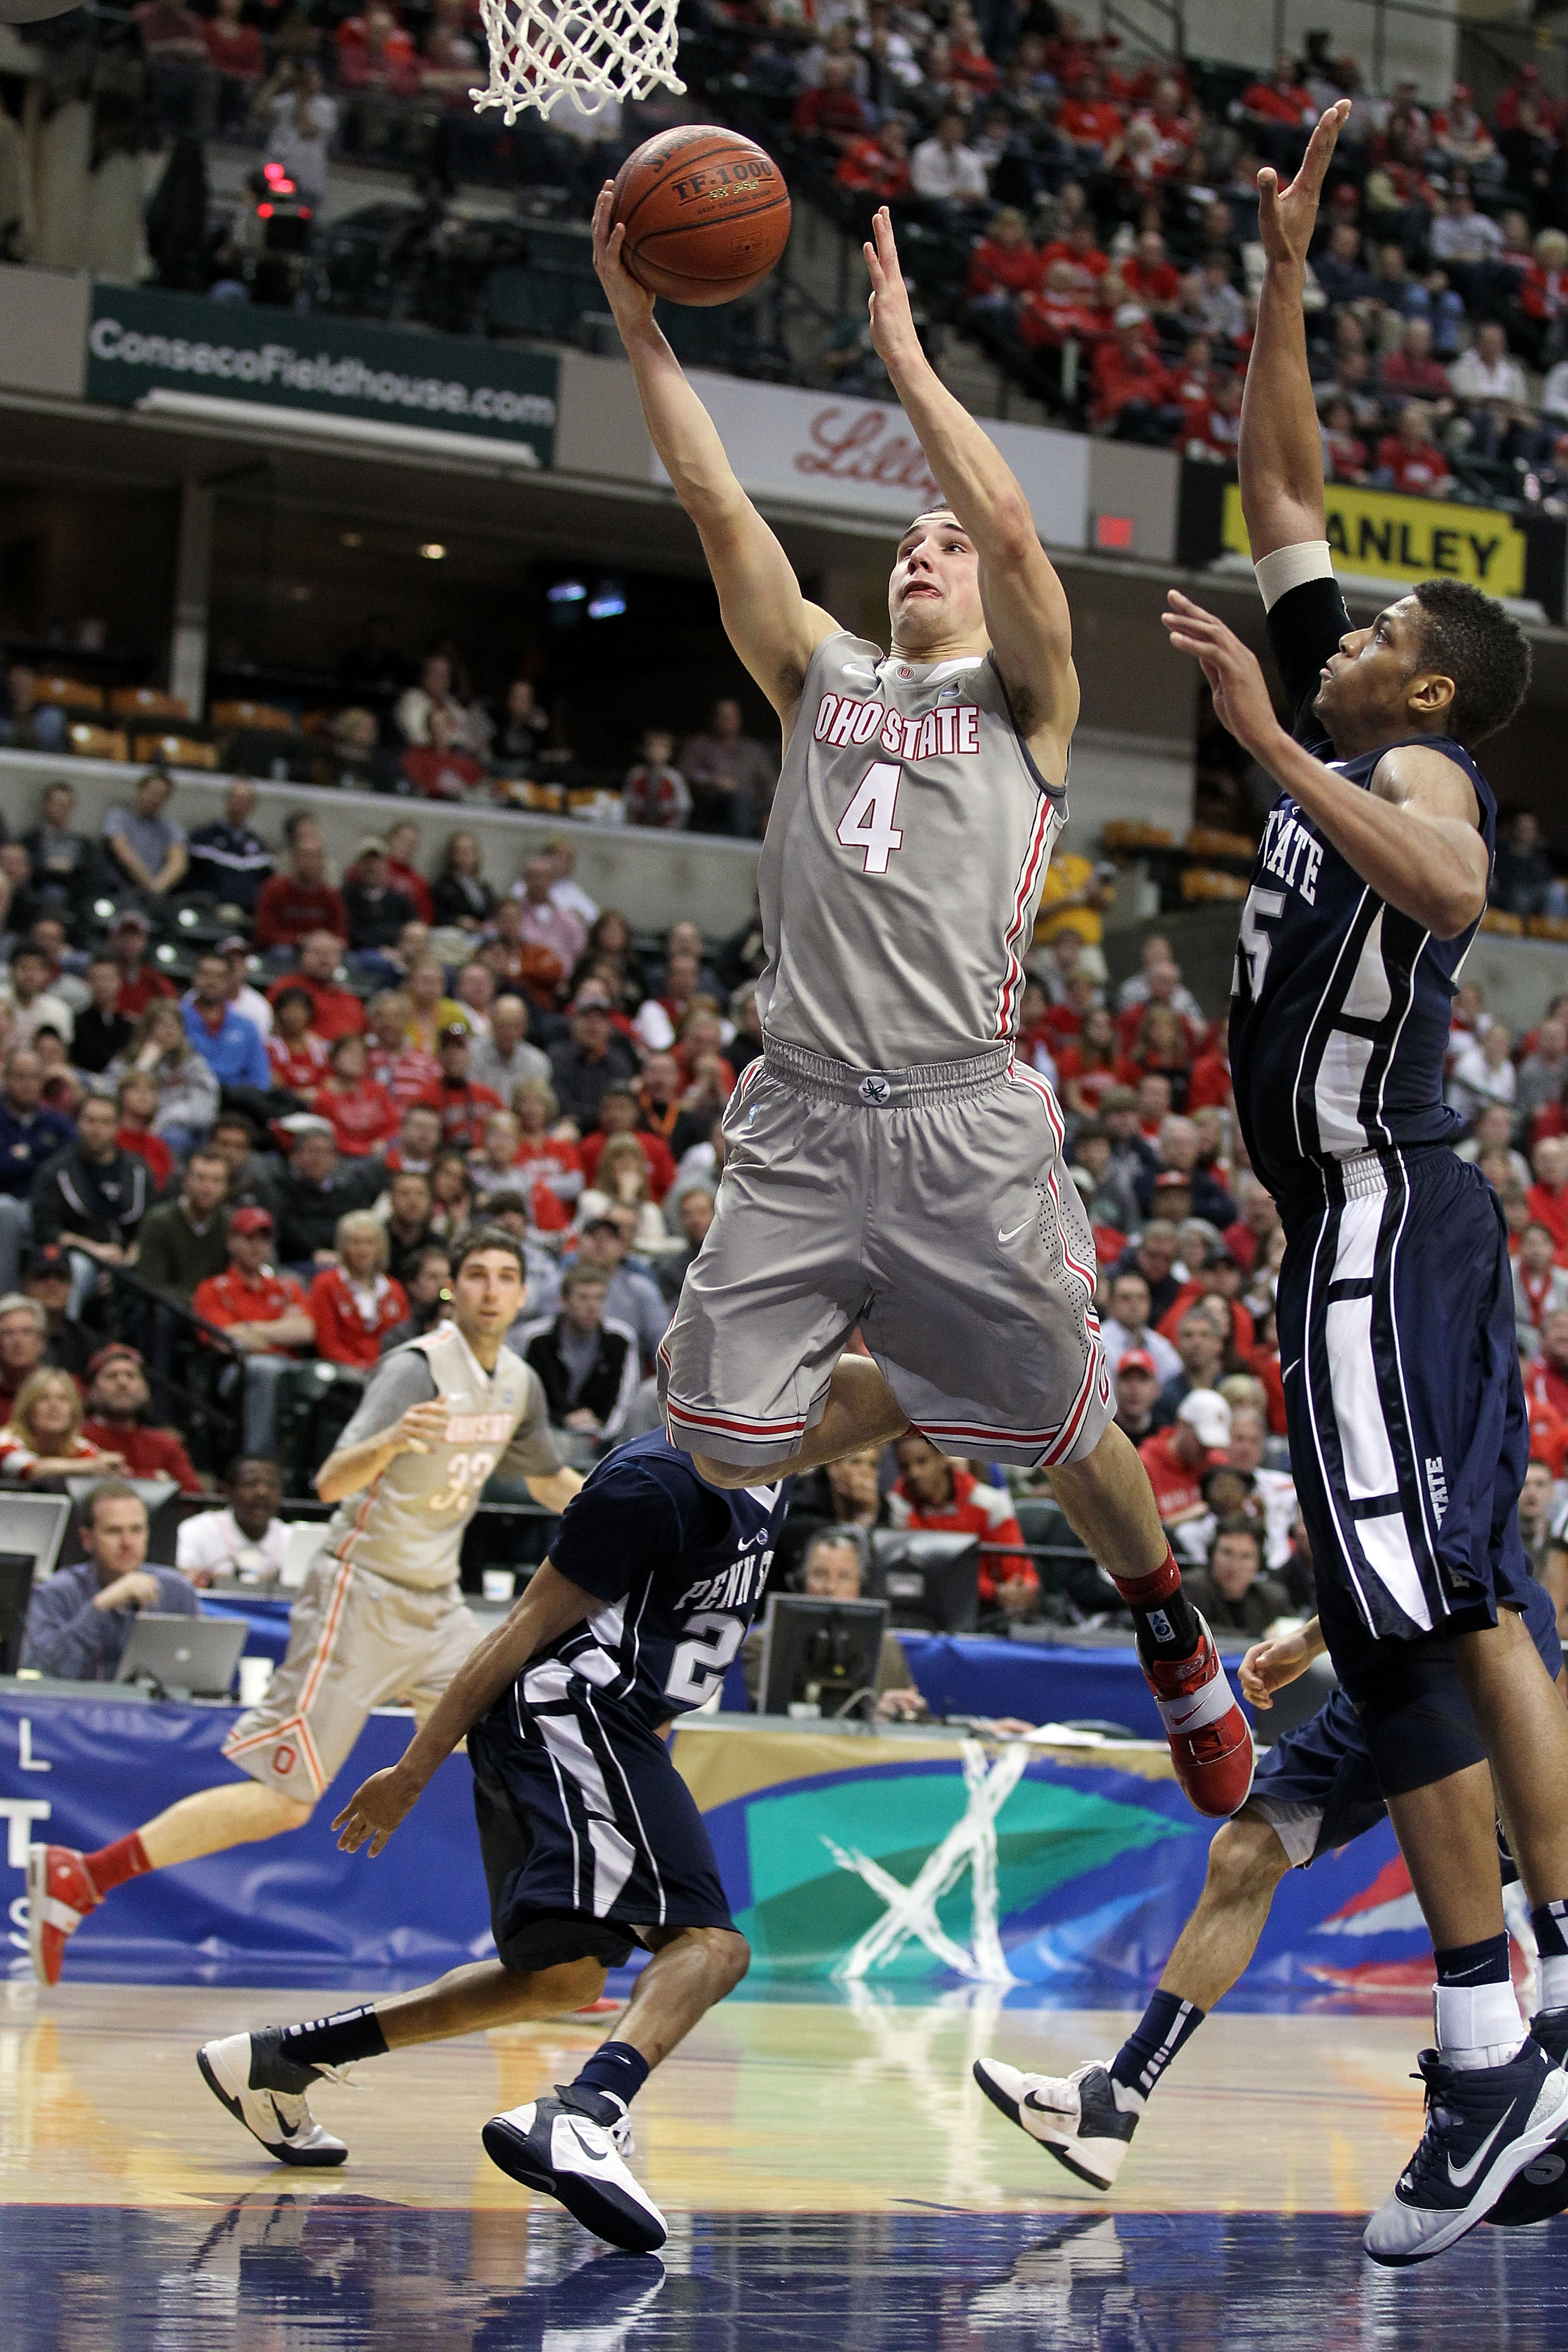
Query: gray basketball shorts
{"x": 932, "y": 1207}
{"x": 356, "y": 1641}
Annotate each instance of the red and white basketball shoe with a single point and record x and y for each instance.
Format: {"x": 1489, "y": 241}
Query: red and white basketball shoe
{"x": 1210, "y": 1739}
{"x": 59, "y": 1896}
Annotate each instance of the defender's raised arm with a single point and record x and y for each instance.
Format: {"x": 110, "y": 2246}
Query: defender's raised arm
{"x": 1024, "y": 602}
{"x": 1280, "y": 457}
{"x": 766, "y": 619}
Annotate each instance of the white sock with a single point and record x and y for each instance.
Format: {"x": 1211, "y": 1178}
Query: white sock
{"x": 1553, "y": 1970}
{"x": 1477, "y": 2026}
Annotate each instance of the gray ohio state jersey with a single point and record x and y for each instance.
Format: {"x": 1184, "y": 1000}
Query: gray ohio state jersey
{"x": 903, "y": 862}
{"x": 408, "y": 1524}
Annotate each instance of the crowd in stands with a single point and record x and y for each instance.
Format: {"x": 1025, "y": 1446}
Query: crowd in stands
{"x": 414, "y": 730}
{"x": 276, "y": 1139}
{"x": 1089, "y": 211}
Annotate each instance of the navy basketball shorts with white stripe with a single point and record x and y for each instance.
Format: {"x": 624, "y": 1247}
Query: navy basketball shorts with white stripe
{"x": 1405, "y": 1407}
{"x": 590, "y": 1836}
{"x": 931, "y": 1206}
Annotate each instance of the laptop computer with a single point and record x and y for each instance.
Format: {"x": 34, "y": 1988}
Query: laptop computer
{"x": 183, "y": 1657}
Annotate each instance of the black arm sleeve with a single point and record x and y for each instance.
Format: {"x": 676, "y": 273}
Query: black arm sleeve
{"x": 1304, "y": 628}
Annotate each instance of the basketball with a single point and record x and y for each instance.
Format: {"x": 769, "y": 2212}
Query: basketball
{"x": 706, "y": 214}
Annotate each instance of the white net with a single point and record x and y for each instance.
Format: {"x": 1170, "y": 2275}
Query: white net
{"x": 588, "y": 50}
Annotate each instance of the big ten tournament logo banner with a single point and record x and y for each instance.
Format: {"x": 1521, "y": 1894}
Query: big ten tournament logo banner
{"x": 1517, "y": 551}
{"x": 139, "y": 342}
{"x": 862, "y": 457}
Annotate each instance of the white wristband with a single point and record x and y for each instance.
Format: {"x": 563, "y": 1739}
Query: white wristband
{"x": 1289, "y": 567}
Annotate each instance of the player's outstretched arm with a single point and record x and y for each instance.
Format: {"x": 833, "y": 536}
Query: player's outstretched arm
{"x": 550, "y": 1608}
{"x": 1280, "y": 457}
{"x": 766, "y": 619}
{"x": 554, "y": 1493}
{"x": 1025, "y": 603}
{"x": 1413, "y": 836}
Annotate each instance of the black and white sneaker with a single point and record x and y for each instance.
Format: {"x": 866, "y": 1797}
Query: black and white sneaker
{"x": 552, "y": 2147}
{"x": 1075, "y": 2116}
{"x": 265, "y": 2093}
{"x": 1542, "y": 2188}
{"x": 1484, "y": 2124}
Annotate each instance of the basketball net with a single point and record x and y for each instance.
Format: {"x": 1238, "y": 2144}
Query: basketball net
{"x": 592, "y": 50}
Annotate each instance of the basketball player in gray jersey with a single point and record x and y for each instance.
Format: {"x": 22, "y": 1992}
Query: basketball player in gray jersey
{"x": 379, "y": 1616}
{"x": 888, "y": 1164}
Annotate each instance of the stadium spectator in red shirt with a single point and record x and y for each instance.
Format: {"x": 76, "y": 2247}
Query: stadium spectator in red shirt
{"x": 295, "y": 1056}
{"x": 1547, "y": 1198}
{"x": 403, "y": 849}
{"x": 877, "y": 167}
{"x": 620, "y": 1113}
{"x": 1131, "y": 385}
{"x": 1081, "y": 254}
{"x": 439, "y": 769}
{"x": 1546, "y": 1375}
{"x": 933, "y": 1491}
{"x": 234, "y": 49}
{"x": 262, "y": 1313}
{"x": 137, "y": 1101}
{"x": 1004, "y": 263}
{"x": 463, "y": 1106}
{"x": 1280, "y": 100}
{"x": 1412, "y": 373}
{"x": 375, "y": 53}
{"x": 290, "y": 906}
{"x": 363, "y": 1113}
{"x": 832, "y": 108}
{"x": 1092, "y": 120}
{"x": 355, "y": 1304}
{"x": 140, "y": 981}
{"x": 1345, "y": 452}
{"x": 1177, "y": 1458}
{"x": 117, "y": 1397}
{"x": 1149, "y": 277}
{"x": 334, "y": 1011}
{"x": 1410, "y": 459}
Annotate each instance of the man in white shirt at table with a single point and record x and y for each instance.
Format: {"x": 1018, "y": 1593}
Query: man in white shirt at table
{"x": 246, "y": 1544}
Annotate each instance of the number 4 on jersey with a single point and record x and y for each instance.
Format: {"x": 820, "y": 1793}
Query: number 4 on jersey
{"x": 867, "y": 823}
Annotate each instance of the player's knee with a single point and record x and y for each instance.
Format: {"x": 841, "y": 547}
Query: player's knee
{"x": 728, "y": 1957}
{"x": 1246, "y": 1860}
{"x": 291, "y": 1813}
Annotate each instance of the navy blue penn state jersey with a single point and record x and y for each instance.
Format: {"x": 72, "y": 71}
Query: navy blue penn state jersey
{"x": 1340, "y": 1005}
{"x": 681, "y": 1568}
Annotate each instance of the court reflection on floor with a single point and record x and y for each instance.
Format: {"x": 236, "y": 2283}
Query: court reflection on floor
{"x": 307, "y": 2269}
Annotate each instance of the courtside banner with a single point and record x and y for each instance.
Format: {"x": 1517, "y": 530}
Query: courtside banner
{"x": 1384, "y": 535}
{"x": 138, "y": 341}
{"x": 860, "y": 456}
{"x": 1392, "y": 537}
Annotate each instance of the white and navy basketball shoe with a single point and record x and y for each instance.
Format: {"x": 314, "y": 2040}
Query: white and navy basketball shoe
{"x": 1075, "y": 2117}
{"x": 552, "y": 2147}
{"x": 1542, "y": 2188}
{"x": 265, "y": 2093}
{"x": 1485, "y": 2126}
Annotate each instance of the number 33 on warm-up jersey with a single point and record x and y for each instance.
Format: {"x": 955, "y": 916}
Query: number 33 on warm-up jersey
{"x": 887, "y": 1166}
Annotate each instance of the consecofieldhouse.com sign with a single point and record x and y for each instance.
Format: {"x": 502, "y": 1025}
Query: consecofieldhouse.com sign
{"x": 140, "y": 341}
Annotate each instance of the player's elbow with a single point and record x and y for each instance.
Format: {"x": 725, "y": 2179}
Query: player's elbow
{"x": 1011, "y": 538}
{"x": 1454, "y": 910}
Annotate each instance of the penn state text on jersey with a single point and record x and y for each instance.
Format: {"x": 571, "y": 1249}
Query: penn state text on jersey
{"x": 1340, "y": 1005}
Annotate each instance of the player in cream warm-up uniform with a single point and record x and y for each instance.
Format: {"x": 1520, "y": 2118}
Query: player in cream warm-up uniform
{"x": 377, "y": 1617}
{"x": 888, "y": 1166}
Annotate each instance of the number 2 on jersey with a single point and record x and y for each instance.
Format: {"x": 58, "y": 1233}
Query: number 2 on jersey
{"x": 867, "y": 823}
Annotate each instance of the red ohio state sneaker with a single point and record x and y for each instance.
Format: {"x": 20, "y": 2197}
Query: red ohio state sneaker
{"x": 1210, "y": 1739}
{"x": 59, "y": 1896}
